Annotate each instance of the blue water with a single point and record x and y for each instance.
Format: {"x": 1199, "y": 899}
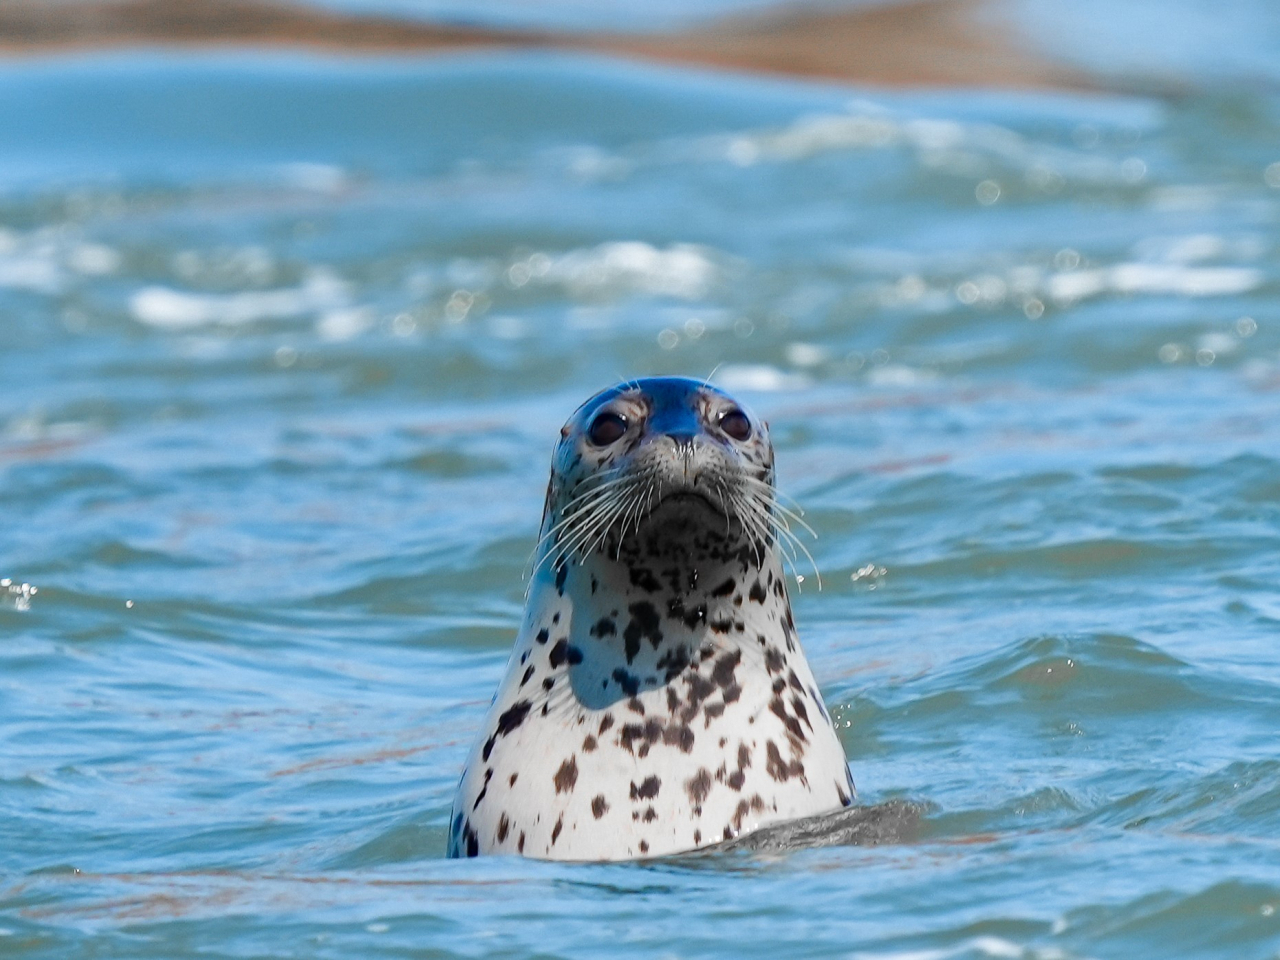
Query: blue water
{"x": 287, "y": 341}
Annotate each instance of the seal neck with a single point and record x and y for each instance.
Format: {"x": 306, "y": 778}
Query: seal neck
{"x": 632, "y": 630}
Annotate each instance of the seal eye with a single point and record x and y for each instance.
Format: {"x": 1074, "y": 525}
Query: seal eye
{"x": 736, "y": 424}
{"x": 606, "y": 429}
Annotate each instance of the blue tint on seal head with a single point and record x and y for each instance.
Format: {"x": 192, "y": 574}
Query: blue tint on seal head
{"x": 674, "y": 410}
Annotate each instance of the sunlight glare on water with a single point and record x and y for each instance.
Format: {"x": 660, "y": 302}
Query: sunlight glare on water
{"x": 288, "y": 341}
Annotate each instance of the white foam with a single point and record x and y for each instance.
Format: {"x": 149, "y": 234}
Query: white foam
{"x": 759, "y": 377}
{"x": 962, "y": 149}
{"x": 93, "y": 259}
{"x": 681, "y": 270}
{"x": 169, "y": 309}
{"x": 316, "y": 177}
{"x": 1155, "y": 279}
{"x": 899, "y": 375}
{"x": 345, "y": 323}
{"x": 37, "y": 272}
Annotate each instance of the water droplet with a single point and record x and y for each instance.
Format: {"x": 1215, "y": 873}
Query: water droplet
{"x": 1133, "y": 170}
{"x": 668, "y": 339}
{"x": 1066, "y": 259}
{"x": 987, "y": 192}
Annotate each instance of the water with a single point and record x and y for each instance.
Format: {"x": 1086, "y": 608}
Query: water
{"x": 287, "y": 341}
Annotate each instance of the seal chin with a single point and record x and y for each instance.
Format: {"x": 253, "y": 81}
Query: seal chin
{"x": 683, "y": 516}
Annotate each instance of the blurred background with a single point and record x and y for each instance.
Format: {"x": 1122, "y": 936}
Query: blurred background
{"x": 294, "y": 299}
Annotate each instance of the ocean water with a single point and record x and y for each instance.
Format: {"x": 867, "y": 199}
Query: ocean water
{"x": 287, "y": 341}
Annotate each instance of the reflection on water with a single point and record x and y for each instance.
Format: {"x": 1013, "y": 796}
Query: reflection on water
{"x": 287, "y": 344}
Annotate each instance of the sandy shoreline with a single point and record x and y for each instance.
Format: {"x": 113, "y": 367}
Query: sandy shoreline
{"x": 917, "y": 43}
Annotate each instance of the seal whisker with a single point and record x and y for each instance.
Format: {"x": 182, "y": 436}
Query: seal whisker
{"x": 580, "y": 505}
{"x": 600, "y": 531}
{"x": 796, "y": 515}
{"x": 602, "y": 517}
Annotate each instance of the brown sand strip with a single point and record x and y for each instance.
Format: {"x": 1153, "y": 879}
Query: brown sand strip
{"x": 916, "y": 43}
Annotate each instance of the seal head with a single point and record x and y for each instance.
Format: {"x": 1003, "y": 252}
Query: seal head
{"x": 657, "y": 699}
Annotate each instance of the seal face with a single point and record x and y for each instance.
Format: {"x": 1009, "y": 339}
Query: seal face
{"x": 657, "y": 699}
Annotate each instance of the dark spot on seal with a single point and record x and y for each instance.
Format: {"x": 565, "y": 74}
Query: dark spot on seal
{"x": 599, "y": 806}
{"x": 776, "y": 768}
{"x": 791, "y": 723}
{"x": 643, "y": 578}
{"x": 605, "y": 723}
{"x": 689, "y": 616}
{"x": 567, "y": 775}
{"x": 520, "y": 845}
{"x": 562, "y": 574}
{"x": 509, "y": 720}
{"x": 527, "y": 675}
{"x": 548, "y": 683}
{"x": 543, "y": 635}
{"x": 644, "y": 846}
{"x": 589, "y": 744}
{"x": 698, "y": 786}
{"x": 604, "y": 627}
{"x": 512, "y": 781}
{"x": 757, "y": 594}
{"x": 673, "y": 662}
{"x": 679, "y": 735}
{"x": 725, "y": 588}
{"x": 562, "y": 652}
{"x": 644, "y": 623}
{"x": 555, "y": 832}
{"x": 723, "y": 673}
{"x": 798, "y": 706}
{"x": 629, "y": 682}
{"x": 503, "y": 826}
{"x": 647, "y": 790}
{"x": 488, "y": 775}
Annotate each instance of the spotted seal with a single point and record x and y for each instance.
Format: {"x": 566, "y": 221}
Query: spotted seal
{"x": 657, "y": 699}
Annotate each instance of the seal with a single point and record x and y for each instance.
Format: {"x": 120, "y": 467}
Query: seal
{"x": 657, "y": 699}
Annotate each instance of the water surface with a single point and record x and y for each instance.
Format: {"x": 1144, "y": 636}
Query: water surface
{"x": 288, "y": 340}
